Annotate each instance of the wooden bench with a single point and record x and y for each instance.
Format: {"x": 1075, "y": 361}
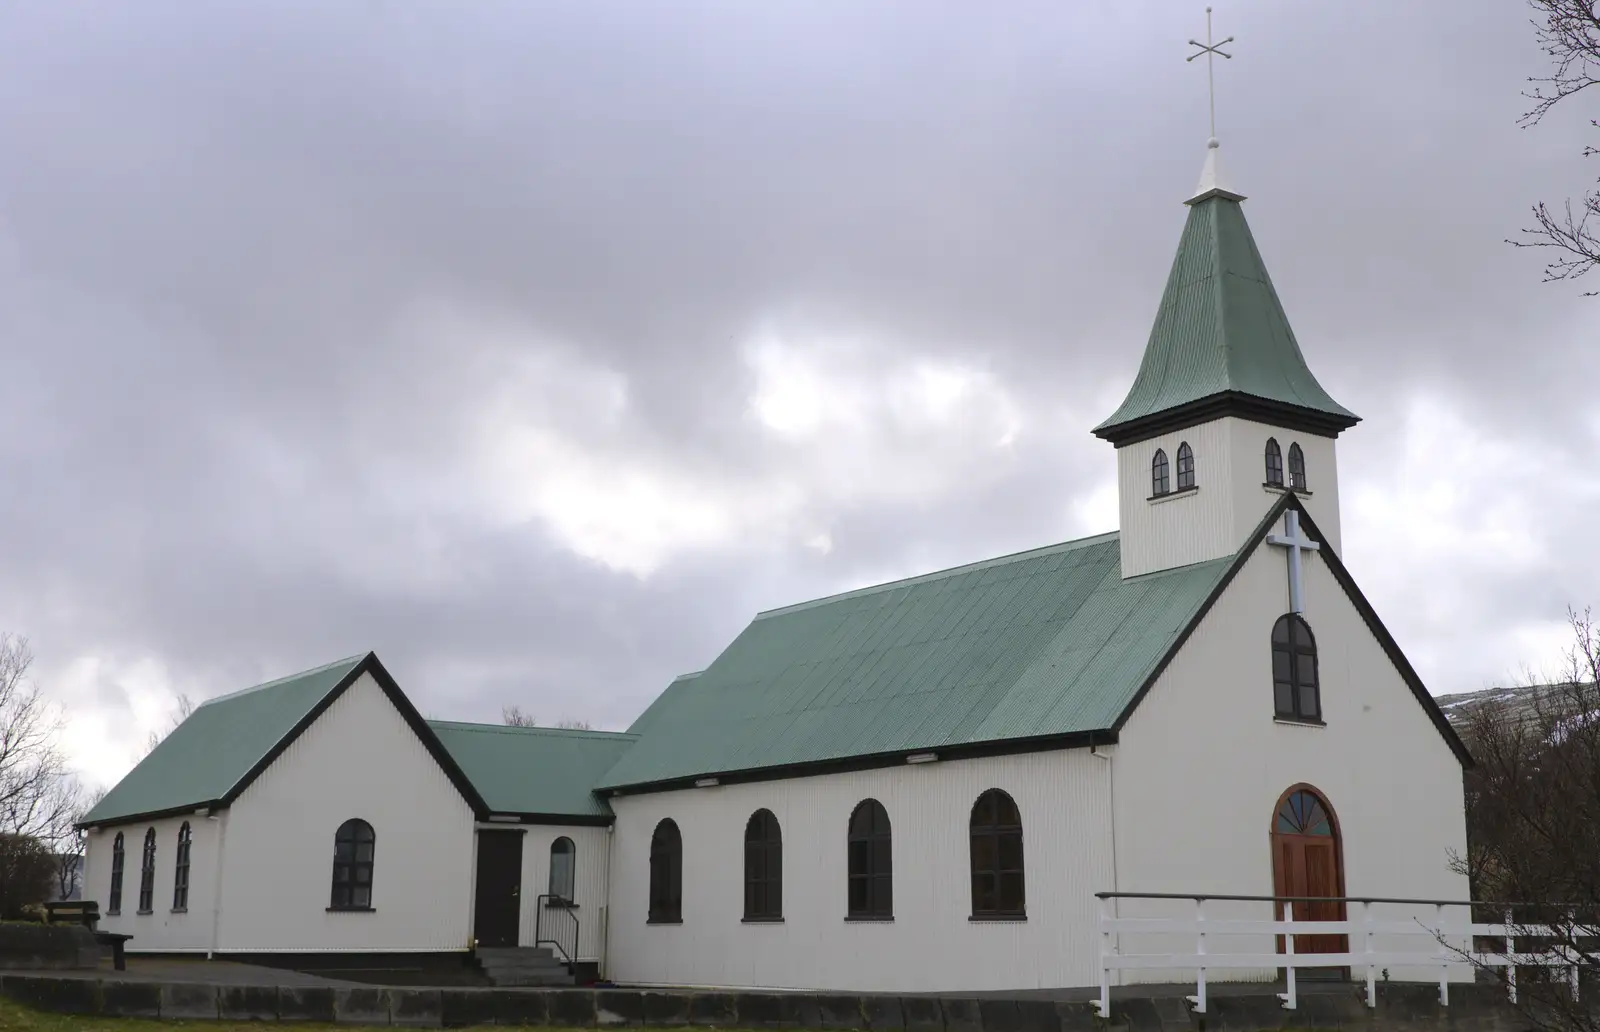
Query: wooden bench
{"x": 115, "y": 940}
{"x": 72, "y": 911}
{"x": 87, "y": 912}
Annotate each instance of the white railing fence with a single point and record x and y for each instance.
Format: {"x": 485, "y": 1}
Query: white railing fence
{"x": 1425, "y": 935}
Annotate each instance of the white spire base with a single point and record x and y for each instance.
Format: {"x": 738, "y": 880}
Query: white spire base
{"x": 1211, "y": 180}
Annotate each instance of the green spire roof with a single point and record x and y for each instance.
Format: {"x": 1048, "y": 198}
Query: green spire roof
{"x": 1221, "y": 344}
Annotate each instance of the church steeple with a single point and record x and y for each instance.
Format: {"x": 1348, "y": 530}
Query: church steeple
{"x": 1222, "y": 395}
{"x": 1221, "y": 344}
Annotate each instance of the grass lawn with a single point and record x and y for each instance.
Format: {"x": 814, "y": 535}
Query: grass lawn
{"x": 15, "y": 1018}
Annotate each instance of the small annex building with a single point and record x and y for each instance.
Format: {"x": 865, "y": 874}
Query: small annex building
{"x": 918, "y": 786}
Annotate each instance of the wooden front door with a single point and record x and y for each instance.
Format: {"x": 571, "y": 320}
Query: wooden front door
{"x": 1306, "y": 862}
{"x": 497, "y": 909}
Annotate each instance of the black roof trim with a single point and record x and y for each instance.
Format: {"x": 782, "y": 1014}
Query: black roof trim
{"x": 1226, "y": 403}
{"x": 369, "y": 665}
{"x": 1390, "y": 647}
{"x": 587, "y": 820}
{"x": 193, "y": 809}
{"x": 1205, "y": 607}
{"x": 1369, "y": 615}
{"x": 874, "y": 761}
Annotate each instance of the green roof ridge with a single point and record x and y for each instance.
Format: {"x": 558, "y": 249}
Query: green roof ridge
{"x": 1221, "y": 333}
{"x": 923, "y": 578}
{"x": 511, "y": 729}
{"x": 275, "y": 682}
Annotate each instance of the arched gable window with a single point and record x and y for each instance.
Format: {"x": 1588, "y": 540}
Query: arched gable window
{"x": 180, "y": 873}
{"x": 1274, "y": 463}
{"x": 147, "y": 873}
{"x": 353, "y": 847}
{"x": 763, "y": 868}
{"x": 117, "y": 859}
{"x": 871, "y": 862}
{"x": 1159, "y": 485}
{"x": 1297, "y": 468}
{"x": 563, "y": 869}
{"x": 997, "y": 883}
{"x": 1294, "y": 670}
{"x": 666, "y": 874}
{"x": 1185, "y": 467}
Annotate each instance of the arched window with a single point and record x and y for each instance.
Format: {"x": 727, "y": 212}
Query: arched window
{"x": 563, "y": 869}
{"x": 1297, "y": 468}
{"x": 180, "y": 873}
{"x": 1274, "y": 463}
{"x": 1294, "y": 670}
{"x": 666, "y": 874}
{"x": 1185, "y": 467}
{"x": 353, "y": 848}
{"x": 115, "y": 905}
{"x": 1302, "y": 813}
{"x": 997, "y": 884}
{"x": 763, "y": 868}
{"x": 1159, "y": 485}
{"x": 147, "y": 873}
{"x": 871, "y": 862}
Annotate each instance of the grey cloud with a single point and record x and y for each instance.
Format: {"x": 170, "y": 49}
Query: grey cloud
{"x": 220, "y": 227}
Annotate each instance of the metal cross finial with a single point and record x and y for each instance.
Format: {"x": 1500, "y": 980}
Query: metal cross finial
{"x": 1209, "y": 48}
{"x": 1297, "y": 544}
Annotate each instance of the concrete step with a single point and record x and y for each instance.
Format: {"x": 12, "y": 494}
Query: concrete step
{"x": 523, "y": 965}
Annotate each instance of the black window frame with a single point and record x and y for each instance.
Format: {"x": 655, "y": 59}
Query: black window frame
{"x": 349, "y": 866}
{"x": 763, "y": 867}
{"x": 560, "y": 894}
{"x": 869, "y": 892}
{"x": 666, "y": 873}
{"x": 1295, "y": 696}
{"x": 1185, "y": 464}
{"x": 1160, "y": 484}
{"x": 147, "y": 873}
{"x": 1274, "y": 463}
{"x": 180, "y": 870}
{"x": 1297, "y": 467}
{"x": 118, "y": 862}
{"x": 999, "y": 883}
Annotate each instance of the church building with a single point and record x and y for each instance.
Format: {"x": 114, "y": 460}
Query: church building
{"x": 918, "y": 786}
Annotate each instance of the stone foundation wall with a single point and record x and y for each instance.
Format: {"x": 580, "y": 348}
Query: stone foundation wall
{"x": 38, "y": 947}
{"x": 1403, "y": 1008}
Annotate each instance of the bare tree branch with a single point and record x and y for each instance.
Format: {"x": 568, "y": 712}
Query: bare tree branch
{"x": 1568, "y": 31}
{"x": 512, "y": 716}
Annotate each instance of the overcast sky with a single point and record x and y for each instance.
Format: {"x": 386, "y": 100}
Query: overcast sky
{"x": 536, "y": 346}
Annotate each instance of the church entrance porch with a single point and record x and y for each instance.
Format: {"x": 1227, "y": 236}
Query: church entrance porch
{"x": 495, "y": 912}
{"x": 1307, "y": 861}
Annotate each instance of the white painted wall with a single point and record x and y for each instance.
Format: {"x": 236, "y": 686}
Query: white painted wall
{"x": 1229, "y": 501}
{"x": 589, "y": 883}
{"x": 162, "y": 930}
{"x": 1202, "y": 762}
{"x": 931, "y": 944}
{"x": 359, "y": 759}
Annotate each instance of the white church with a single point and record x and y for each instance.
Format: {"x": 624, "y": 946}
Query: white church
{"x": 918, "y": 786}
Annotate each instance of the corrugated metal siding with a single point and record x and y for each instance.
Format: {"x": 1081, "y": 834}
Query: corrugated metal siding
{"x": 931, "y": 945}
{"x": 1251, "y": 500}
{"x": 360, "y": 759}
{"x": 162, "y": 930}
{"x": 589, "y": 883}
{"x": 1201, "y": 763}
{"x": 1192, "y": 527}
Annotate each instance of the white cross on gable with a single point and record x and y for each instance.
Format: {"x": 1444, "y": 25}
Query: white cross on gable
{"x": 1297, "y": 544}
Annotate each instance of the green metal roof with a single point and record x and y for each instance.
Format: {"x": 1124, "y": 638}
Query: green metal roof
{"x": 534, "y": 770}
{"x": 220, "y": 743}
{"x": 1221, "y": 327}
{"x": 1051, "y": 642}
